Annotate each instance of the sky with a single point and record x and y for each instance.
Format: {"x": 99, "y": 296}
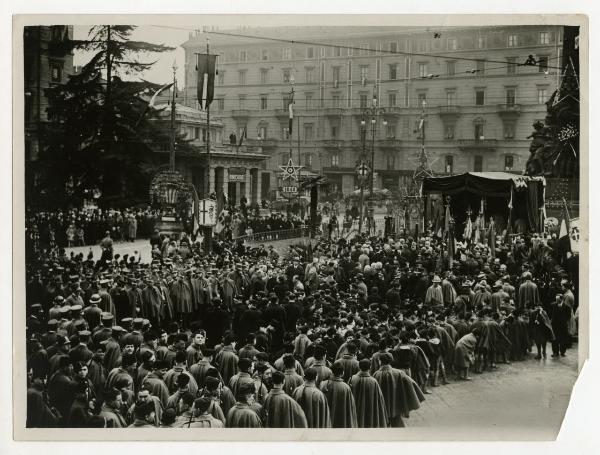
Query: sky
{"x": 162, "y": 70}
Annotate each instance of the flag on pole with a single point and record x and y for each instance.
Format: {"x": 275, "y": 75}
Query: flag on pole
{"x": 242, "y": 136}
{"x": 205, "y": 65}
{"x": 421, "y": 124}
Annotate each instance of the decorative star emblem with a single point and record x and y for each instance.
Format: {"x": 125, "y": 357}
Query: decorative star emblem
{"x": 290, "y": 171}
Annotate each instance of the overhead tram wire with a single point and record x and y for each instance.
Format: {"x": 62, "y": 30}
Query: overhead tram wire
{"x": 315, "y": 43}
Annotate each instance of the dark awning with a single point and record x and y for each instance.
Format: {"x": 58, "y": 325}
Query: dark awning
{"x": 490, "y": 184}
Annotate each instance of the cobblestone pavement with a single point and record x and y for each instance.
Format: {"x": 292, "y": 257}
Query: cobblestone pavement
{"x": 529, "y": 396}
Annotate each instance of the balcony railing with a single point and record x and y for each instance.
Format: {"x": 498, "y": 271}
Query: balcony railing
{"x": 239, "y": 113}
{"x": 389, "y": 143}
{"x": 449, "y": 111}
{"x": 509, "y": 109}
{"x": 264, "y": 143}
{"x": 478, "y": 144}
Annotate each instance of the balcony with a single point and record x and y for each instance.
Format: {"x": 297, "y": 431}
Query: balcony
{"x": 240, "y": 113}
{"x": 389, "y": 143}
{"x": 511, "y": 111}
{"x": 449, "y": 113}
{"x": 393, "y": 111}
{"x": 335, "y": 144}
{"x": 477, "y": 144}
{"x": 332, "y": 111}
{"x": 264, "y": 144}
{"x": 282, "y": 113}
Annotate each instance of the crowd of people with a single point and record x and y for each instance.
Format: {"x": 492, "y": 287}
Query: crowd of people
{"x": 335, "y": 334}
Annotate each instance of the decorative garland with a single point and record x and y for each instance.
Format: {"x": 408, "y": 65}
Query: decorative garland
{"x": 164, "y": 180}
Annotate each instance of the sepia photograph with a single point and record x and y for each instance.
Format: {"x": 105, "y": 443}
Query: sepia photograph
{"x": 282, "y": 224}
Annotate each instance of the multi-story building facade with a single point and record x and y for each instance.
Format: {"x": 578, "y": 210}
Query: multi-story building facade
{"x": 478, "y": 98}
{"x": 45, "y": 64}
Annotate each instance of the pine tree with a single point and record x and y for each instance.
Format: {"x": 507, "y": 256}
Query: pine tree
{"x": 554, "y": 149}
{"x": 101, "y": 135}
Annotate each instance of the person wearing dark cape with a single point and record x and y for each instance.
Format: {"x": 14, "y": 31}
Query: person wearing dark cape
{"x": 464, "y": 354}
{"x": 400, "y": 392}
{"x": 280, "y": 410}
{"x": 342, "y": 408}
{"x": 226, "y": 360}
{"x": 312, "y": 401}
{"x": 541, "y": 329}
{"x": 370, "y": 404}
{"x": 242, "y": 415}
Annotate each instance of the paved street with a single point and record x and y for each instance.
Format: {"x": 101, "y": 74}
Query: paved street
{"x": 529, "y": 396}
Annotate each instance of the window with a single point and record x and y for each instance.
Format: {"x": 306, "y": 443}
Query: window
{"x": 335, "y": 100}
{"x": 335, "y": 159}
{"x": 390, "y": 131}
{"x": 481, "y": 42}
{"x": 542, "y": 64}
{"x": 393, "y": 46}
{"x": 509, "y": 162}
{"x": 422, "y": 45}
{"x": 450, "y": 98}
{"x": 337, "y": 51}
{"x": 511, "y": 68}
{"x": 308, "y": 131}
{"x": 264, "y": 55}
{"x": 197, "y": 132}
{"x": 452, "y": 44}
{"x": 309, "y": 100}
{"x": 221, "y": 78}
{"x": 287, "y": 53}
{"x": 56, "y": 70}
{"x": 308, "y": 160}
{"x": 390, "y": 162}
{"x": 449, "y": 164}
{"x": 364, "y": 74}
{"x": 263, "y": 102}
{"x": 378, "y": 70}
{"x": 480, "y": 67}
{"x": 509, "y": 130}
{"x": 264, "y": 76}
{"x": 363, "y": 100}
{"x": 392, "y": 71}
{"x": 57, "y": 33}
{"x": 349, "y": 75}
{"x": 349, "y": 95}
{"x": 512, "y": 41}
{"x": 323, "y": 52}
{"x": 322, "y": 72}
{"x": 364, "y": 49}
{"x": 422, "y": 69}
{"x": 479, "y": 97}
{"x": 450, "y": 68}
{"x": 243, "y": 56}
{"x": 542, "y": 95}
{"x": 203, "y": 134}
{"x": 334, "y": 131}
{"x": 479, "y": 136}
{"x": 287, "y": 99}
{"x": 478, "y": 163}
{"x": 242, "y": 77}
{"x": 449, "y": 131}
{"x": 285, "y": 133}
{"x": 350, "y": 51}
{"x": 310, "y": 52}
{"x": 262, "y": 131}
{"x": 284, "y": 158}
{"x": 544, "y": 38}
{"x": 286, "y": 75}
{"x": 310, "y": 72}
{"x": 511, "y": 95}
{"x": 321, "y": 97}
{"x": 220, "y": 104}
{"x": 421, "y": 99}
{"x": 241, "y": 101}
{"x": 392, "y": 99}
{"x": 336, "y": 76}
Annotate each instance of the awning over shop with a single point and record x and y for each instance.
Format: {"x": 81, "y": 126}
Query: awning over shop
{"x": 490, "y": 184}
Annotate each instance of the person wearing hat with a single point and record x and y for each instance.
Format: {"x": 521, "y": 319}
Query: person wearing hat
{"x": 54, "y": 312}
{"x": 528, "y": 295}
{"x": 227, "y": 359}
{"x": 144, "y": 413}
{"x": 155, "y": 384}
{"x": 434, "y": 296}
{"x": 370, "y": 403}
{"x": 201, "y": 416}
{"x": 92, "y": 313}
{"x": 499, "y": 298}
{"x": 111, "y": 408}
{"x": 243, "y": 414}
{"x": 106, "y": 302}
{"x": 62, "y": 386}
{"x": 74, "y": 297}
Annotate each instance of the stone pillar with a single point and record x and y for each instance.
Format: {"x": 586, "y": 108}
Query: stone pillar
{"x": 212, "y": 180}
{"x": 259, "y": 196}
{"x": 248, "y": 186}
{"x": 225, "y": 187}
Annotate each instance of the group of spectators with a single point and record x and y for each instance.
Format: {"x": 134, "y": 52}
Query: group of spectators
{"x": 339, "y": 334}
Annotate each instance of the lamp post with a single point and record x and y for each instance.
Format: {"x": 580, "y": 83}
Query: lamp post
{"x": 373, "y": 114}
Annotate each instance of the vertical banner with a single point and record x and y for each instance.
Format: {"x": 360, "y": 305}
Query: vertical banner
{"x": 206, "y": 78}
{"x": 574, "y": 232}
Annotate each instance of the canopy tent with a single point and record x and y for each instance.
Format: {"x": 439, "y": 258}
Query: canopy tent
{"x": 513, "y": 200}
